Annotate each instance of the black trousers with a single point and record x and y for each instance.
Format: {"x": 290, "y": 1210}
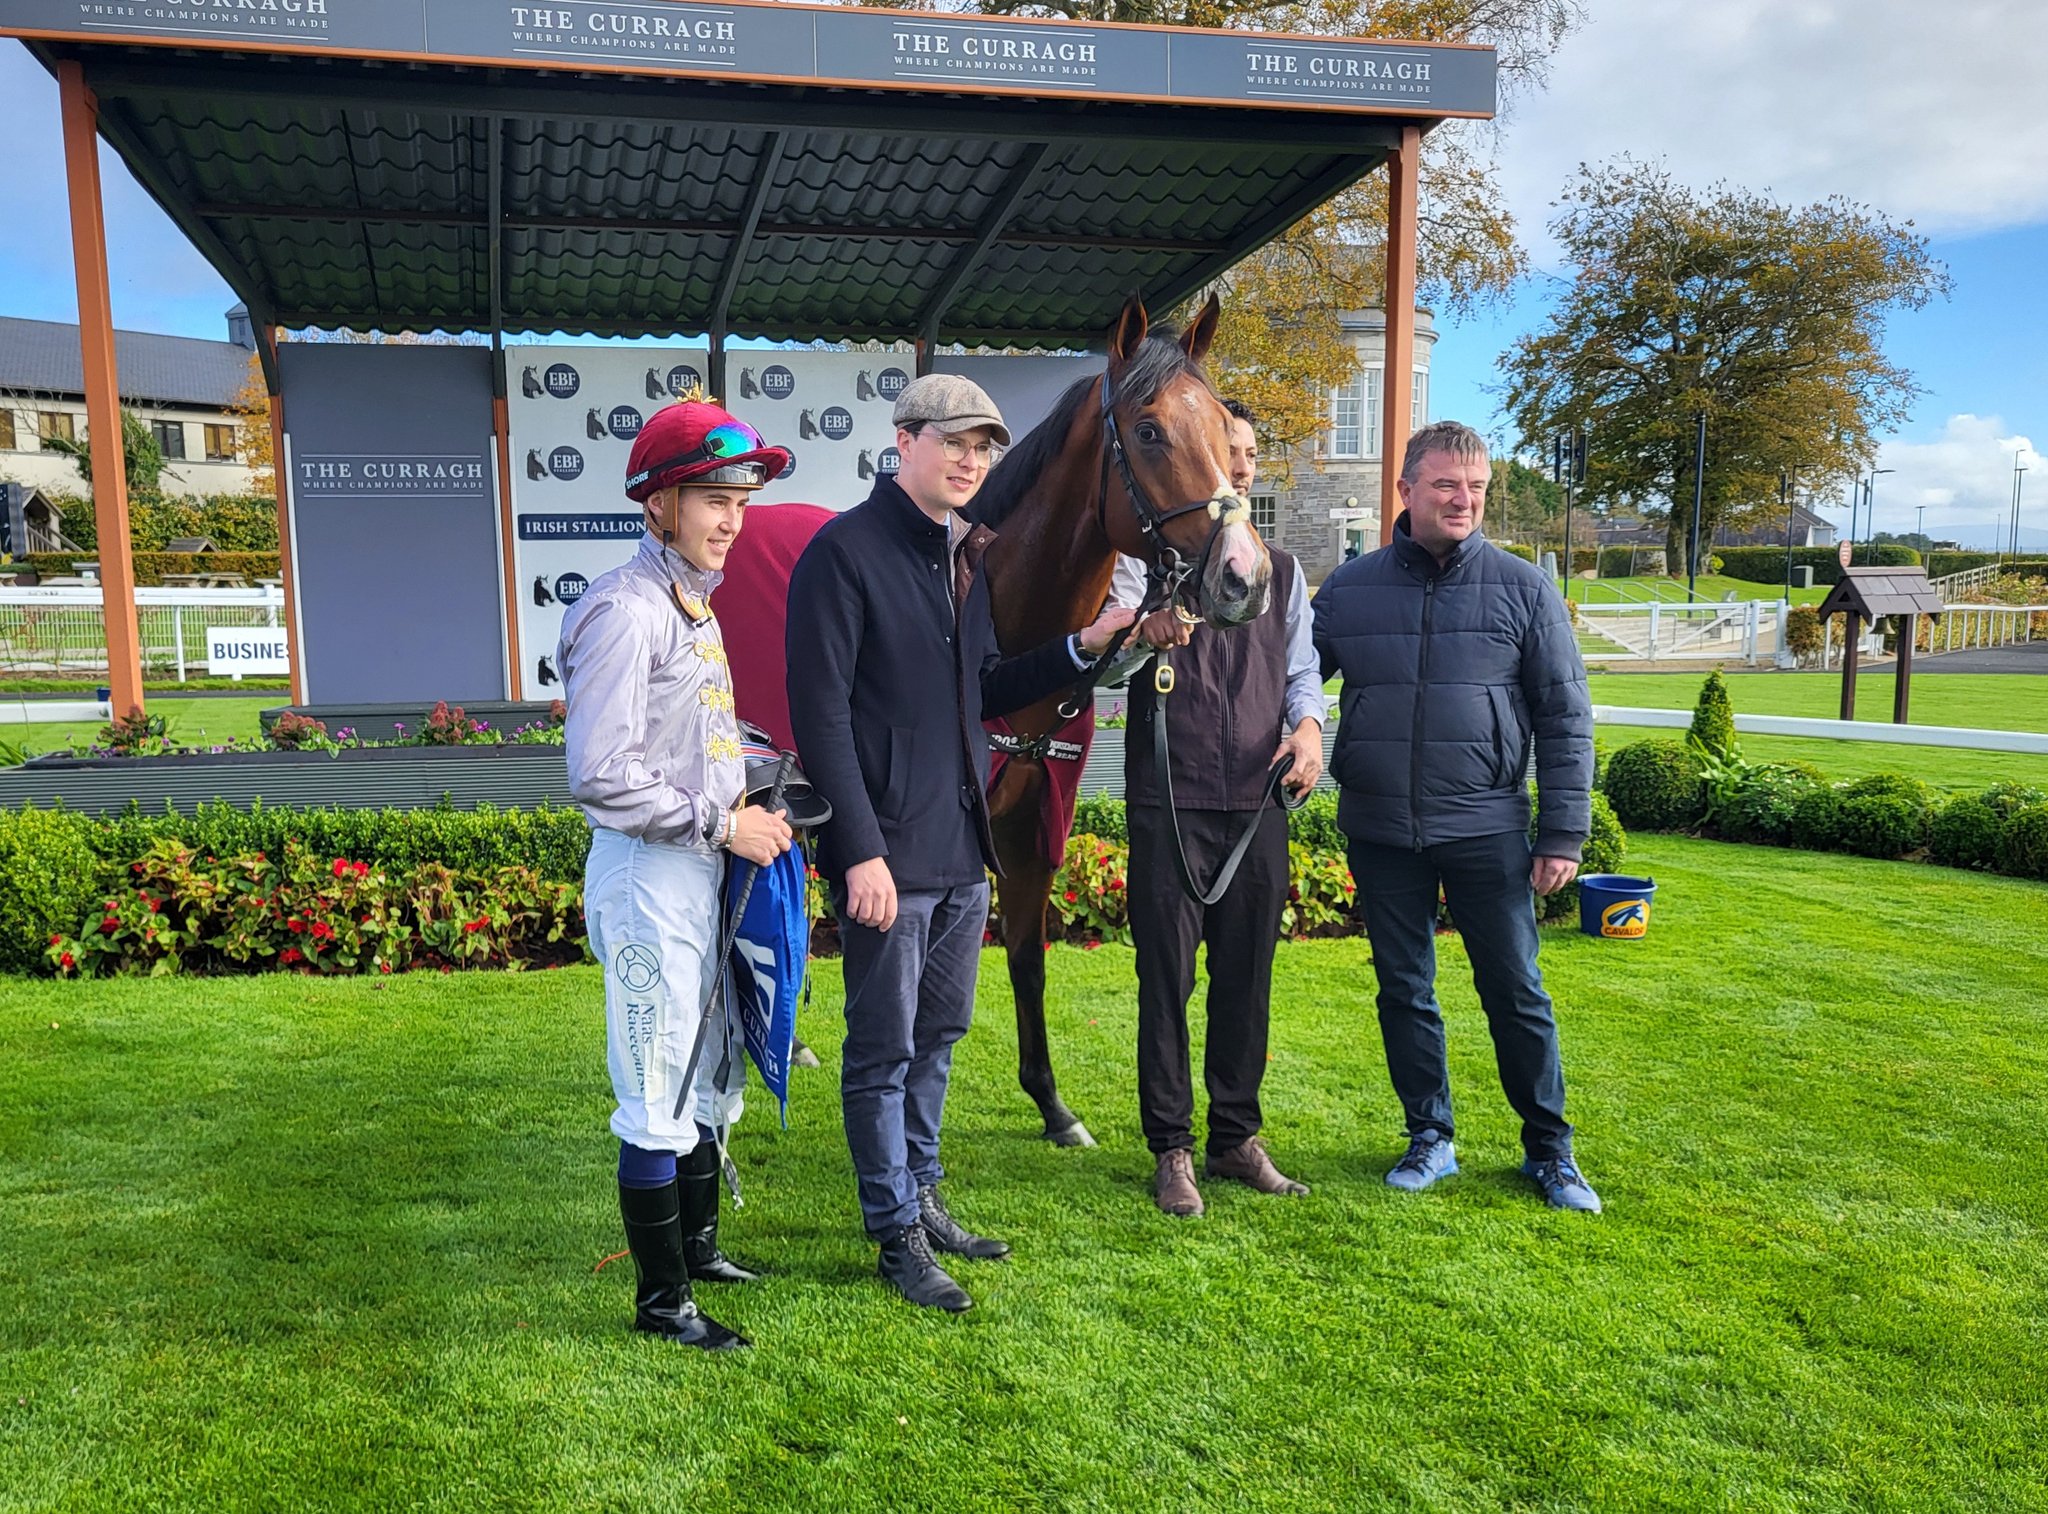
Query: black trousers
{"x": 1486, "y": 881}
{"x": 1241, "y": 930}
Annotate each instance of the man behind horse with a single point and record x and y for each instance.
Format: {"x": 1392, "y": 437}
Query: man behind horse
{"x": 1236, "y": 693}
{"x": 654, "y": 759}
{"x": 1458, "y": 661}
{"x": 892, "y": 665}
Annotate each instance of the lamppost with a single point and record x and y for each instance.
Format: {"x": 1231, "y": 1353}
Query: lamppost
{"x": 2018, "y": 482}
{"x": 1785, "y": 503}
{"x": 1870, "y": 511}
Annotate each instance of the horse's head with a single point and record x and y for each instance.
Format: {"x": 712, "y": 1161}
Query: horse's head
{"x": 1169, "y": 437}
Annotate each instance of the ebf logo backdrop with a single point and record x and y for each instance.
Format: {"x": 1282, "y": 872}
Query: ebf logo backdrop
{"x": 831, "y": 409}
{"x": 574, "y": 412}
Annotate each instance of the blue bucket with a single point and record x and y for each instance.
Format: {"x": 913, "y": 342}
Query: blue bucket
{"x": 1615, "y": 905}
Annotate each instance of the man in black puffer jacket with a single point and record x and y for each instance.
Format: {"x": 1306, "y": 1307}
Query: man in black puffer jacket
{"x": 1458, "y": 657}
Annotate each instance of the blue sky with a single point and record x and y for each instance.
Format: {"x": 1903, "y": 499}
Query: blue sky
{"x": 1943, "y": 125}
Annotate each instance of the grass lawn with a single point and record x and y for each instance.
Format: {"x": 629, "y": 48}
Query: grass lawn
{"x": 1991, "y": 701}
{"x": 284, "y": 1243}
{"x": 1607, "y": 591}
{"x": 195, "y": 722}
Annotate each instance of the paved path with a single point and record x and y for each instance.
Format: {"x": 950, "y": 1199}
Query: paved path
{"x": 2027, "y": 657}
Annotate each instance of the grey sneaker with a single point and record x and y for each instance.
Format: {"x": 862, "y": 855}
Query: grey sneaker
{"x": 1562, "y": 1185}
{"x": 1430, "y": 1156}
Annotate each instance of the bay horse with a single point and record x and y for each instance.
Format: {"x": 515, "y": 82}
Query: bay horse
{"x": 1063, "y": 506}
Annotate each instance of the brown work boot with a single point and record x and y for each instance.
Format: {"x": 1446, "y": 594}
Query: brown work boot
{"x": 1249, "y": 1164}
{"x": 1173, "y": 1184}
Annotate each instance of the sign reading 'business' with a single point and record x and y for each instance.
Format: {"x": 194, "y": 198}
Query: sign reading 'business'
{"x": 750, "y": 39}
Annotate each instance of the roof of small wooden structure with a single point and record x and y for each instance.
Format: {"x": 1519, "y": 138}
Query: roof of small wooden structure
{"x": 1873, "y": 593}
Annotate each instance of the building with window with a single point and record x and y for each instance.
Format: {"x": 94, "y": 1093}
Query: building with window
{"x": 181, "y": 387}
{"x": 1331, "y": 507}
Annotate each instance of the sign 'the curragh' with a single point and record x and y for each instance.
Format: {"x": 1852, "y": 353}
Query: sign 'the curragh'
{"x": 757, "y": 41}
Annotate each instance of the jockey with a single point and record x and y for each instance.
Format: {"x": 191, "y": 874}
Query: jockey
{"x": 654, "y": 760}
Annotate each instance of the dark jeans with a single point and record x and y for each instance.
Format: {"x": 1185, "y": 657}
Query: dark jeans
{"x": 1486, "y": 882}
{"x": 1241, "y": 930}
{"x": 909, "y": 997}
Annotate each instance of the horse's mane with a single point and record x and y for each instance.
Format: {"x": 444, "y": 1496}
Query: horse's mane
{"x": 1159, "y": 360}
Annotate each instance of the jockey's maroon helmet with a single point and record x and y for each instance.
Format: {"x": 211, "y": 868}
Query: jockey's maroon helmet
{"x": 697, "y": 442}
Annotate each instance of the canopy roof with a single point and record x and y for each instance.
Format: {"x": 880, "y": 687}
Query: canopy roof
{"x": 840, "y": 180}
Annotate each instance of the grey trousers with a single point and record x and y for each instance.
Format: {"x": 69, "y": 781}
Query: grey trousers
{"x": 909, "y": 997}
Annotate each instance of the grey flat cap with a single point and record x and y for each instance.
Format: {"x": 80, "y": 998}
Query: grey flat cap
{"x": 947, "y": 403}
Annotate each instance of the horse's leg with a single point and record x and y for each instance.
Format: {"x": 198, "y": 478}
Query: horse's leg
{"x": 1026, "y": 885}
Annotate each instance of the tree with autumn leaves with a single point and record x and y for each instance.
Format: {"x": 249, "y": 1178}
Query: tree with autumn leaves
{"x": 1280, "y": 346}
{"x": 1767, "y": 318}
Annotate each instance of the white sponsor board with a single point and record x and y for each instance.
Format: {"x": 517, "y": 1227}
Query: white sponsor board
{"x": 573, "y": 413}
{"x": 235, "y": 650}
{"x": 831, "y": 409}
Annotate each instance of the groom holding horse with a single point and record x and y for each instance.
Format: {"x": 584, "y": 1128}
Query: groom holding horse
{"x": 893, "y": 663}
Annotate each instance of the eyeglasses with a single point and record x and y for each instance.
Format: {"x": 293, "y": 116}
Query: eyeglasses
{"x": 987, "y": 454}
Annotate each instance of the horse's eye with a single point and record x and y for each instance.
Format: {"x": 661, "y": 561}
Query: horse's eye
{"x": 1150, "y": 434}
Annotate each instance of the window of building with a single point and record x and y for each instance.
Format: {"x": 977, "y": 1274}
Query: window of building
{"x": 220, "y": 444}
{"x": 1355, "y": 415}
{"x": 1418, "y": 400}
{"x": 7, "y": 442}
{"x": 170, "y": 438}
{"x": 1265, "y": 515}
{"x": 56, "y": 425}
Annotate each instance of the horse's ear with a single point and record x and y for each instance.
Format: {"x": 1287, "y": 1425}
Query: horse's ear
{"x": 1196, "y": 339}
{"x": 1128, "y": 334}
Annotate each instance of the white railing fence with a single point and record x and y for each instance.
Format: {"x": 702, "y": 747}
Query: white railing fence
{"x": 63, "y": 631}
{"x": 1744, "y": 630}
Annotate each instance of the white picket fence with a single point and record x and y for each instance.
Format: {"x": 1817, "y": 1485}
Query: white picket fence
{"x": 63, "y": 631}
{"x": 1745, "y": 630}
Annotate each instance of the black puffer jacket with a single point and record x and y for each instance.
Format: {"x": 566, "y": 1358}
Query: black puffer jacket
{"x": 1450, "y": 672}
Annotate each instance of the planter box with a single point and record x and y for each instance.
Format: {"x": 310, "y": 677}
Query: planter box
{"x": 404, "y": 778}
{"x": 380, "y": 722}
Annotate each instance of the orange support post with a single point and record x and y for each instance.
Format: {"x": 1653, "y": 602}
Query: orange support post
{"x": 1397, "y": 374}
{"x": 102, "y": 386}
{"x": 284, "y": 528}
{"x": 501, "y": 422}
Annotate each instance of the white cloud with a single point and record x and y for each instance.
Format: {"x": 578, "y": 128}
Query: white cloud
{"x": 1964, "y": 478}
{"x": 1933, "y": 113}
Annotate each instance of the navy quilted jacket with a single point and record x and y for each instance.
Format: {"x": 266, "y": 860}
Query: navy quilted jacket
{"x": 1451, "y": 673}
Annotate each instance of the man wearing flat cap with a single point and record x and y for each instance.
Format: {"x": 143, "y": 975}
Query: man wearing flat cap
{"x": 892, "y": 665}
{"x": 654, "y": 755}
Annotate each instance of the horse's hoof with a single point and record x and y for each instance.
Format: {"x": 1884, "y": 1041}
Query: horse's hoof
{"x": 1075, "y": 1134}
{"x": 803, "y": 1056}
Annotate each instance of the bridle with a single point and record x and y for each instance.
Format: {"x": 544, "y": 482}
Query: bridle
{"x": 1167, "y": 570}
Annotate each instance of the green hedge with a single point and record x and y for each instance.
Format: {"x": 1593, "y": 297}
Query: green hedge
{"x": 150, "y": 567}
{"x": 1518, "y": 549}
{"x": 1766, "y": 565}
{"x": 1656, "y": 785}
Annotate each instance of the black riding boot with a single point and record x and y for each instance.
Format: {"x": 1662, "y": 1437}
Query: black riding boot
{"x": 697, "y": 1179}
{"x": 662, "y": 1304}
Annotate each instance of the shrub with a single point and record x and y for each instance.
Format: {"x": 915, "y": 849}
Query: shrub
{"x": 1606, "y": 845}
{"x": 136, "y": 734}
{"x": 1713, "y": 717}
{"x": 1518, "y": 549}
{"x": 1315, "y": 823}
{"x": 1760, "y": 809}
{"x": 49, "y": 876}
{"x": 1089, "y": 898}
{"x": 2023, "y": 844}
{"x": 293, "y": 733}
{"x": 1766, "y": 565}
{"x": 1320, "y": 893}
{"x": 2008, "y": 797}
{"x": 150, "y": 567}
{"x": 1804, "y": 635}
{"x": 1102, "y": 815}
{"x": 1889, "y": 786}
{"x": 1882, "y": 825}
{"x": 1965, "y": 831}
{"x": 1655, "y": 786}
{"x": 1817, "y": 820}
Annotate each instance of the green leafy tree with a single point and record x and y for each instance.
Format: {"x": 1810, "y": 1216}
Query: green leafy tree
{"x": 1522, "y": 504}
{"x": 1713, "y": 718}
{"x": 1767, "y": 318}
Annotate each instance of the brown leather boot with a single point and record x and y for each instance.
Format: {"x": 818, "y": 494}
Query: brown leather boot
{"x": 1173, "y": 1184}
{"x": 1249, "y": 1164}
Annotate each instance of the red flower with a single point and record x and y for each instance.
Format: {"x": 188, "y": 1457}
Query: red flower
{"x": 298, "y": 927}
{"x": 1116, "y": 883}
{"x": 1294, "y": 895}
{"x": 290, "y": 954}
{"x": 55, "y": 939}
{"x": 1070, "y": 896}
{"x": 361, "y": 869}
{"x": 322, "y": 931}
{"x": 153, "y": 903}
{"x": 107, "y": 926}
{"x": 67, "y": 961}
{"x": 383, "y": 967}
{"x": 340, "y": 867}
{"x": 1089, "y": 946}
{"x": 472, "y": 926}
